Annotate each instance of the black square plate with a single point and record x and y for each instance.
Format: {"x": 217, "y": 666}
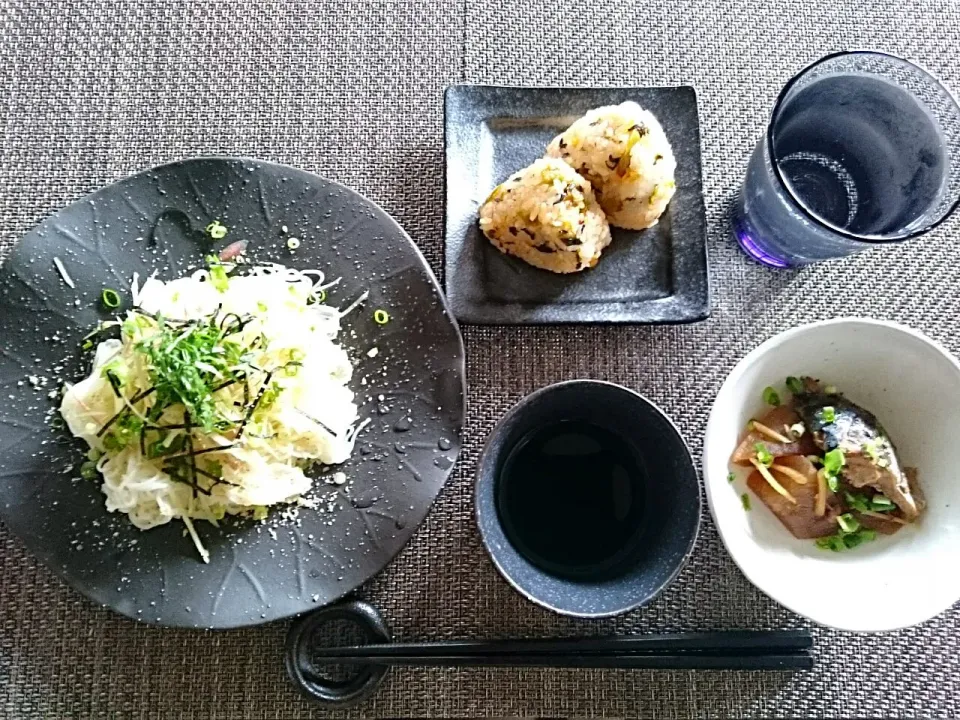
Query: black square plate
{"x": 658, "y": 275}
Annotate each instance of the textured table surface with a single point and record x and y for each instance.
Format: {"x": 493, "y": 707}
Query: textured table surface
{"x": 92, "y": 91}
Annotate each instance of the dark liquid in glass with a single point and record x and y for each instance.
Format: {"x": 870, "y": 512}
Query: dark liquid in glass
{"x": 861, "y": 153}
{"x": 571, "y": 499}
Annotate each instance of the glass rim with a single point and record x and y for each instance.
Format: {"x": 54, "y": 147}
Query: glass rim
{"x": 781, "y": 97}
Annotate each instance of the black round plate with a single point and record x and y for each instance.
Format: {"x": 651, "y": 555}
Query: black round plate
{"x": 413, "y": 389}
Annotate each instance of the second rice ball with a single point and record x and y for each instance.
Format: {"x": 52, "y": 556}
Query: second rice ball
{"x": 623, "y": 151}
{"x": 547, "y": 215}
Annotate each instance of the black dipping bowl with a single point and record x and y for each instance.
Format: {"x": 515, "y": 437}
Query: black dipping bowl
{"x": 666, "y": 532}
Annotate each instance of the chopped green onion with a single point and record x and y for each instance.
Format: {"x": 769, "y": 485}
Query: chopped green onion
{"x": 833, "y": 461}
{"x": 88, "y": 471}
{"x": 297, "y": 355}
{"x": 848, "y": 523}
{"x": 218, "y": 274}
{"x": 293, "y": 243}
{"x": 833, "y": 482}
{"x": 831, "y": 542}
{"x": 87, "y": 345}
{"x": 216, "y": 230}
{"x": 110, "y": 298}
{"x": 731, "y": 477}
{"x": 846, "y": 541}
{"x": 828, "y": 414}
{"x": 322, "y": 295}
{"x": 857, "y": 502}
{"x": 381, "y": 317}
{"x": 867, "y": 534}
{"x": 770, "y": 396}
{"x": 843, "y": 540}
{"x": 260, "y": 512}
{"x": 852, "y": 540}
{"x": 763, "y": 455}
{"x": 94, "y": 454}
{"x": 881, "y": 503}
{"x": 794, "y": 385}
{"x": 870, "y": 450}
{"x": 262, "y": 307}
{"x": 745, "y": 501}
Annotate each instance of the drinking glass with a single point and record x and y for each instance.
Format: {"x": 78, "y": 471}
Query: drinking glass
{"x": 862, "y": 148}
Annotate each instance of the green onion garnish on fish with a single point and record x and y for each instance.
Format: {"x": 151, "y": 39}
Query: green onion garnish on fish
{"x": 794, "y": 385}
{"x": 764, "y": 457}
{"x": 848, "y": 523}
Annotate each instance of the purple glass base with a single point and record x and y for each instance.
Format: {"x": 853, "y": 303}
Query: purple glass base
{"x": 753, "y": 249}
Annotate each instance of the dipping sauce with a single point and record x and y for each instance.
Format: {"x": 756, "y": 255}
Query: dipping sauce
{"x": 571, "y": 498}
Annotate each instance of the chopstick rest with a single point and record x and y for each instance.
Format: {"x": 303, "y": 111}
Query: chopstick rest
{"x": 724, "y": 650}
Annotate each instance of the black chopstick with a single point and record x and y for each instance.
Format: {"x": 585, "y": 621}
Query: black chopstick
{"x": 736, "y": 642}
{"x": 664, "y": 661}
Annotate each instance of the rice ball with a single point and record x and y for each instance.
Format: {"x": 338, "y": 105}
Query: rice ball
{"x": 624, "y": 153}
{"x": 548, "y": 216}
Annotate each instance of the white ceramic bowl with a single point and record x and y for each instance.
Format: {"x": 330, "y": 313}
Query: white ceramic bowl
{"x": 912, "y": 385}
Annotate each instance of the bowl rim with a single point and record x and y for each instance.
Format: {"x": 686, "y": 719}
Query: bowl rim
{"x": 485, "y": 458}
{"x": 713, "y": 420}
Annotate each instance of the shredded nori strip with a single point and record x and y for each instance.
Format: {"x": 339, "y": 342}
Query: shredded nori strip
{"x": 174, "y": 426}
{"x": 169, "y": 470}
{"x": 193, "y": 462}
{"x": 194, "y": 453}
{"x": 234, "y": 327}
{"x": 253, "y": 407}
{"x": 135, "y": 399}
{"x": 240, "y": 376}
{"x": 141, "y": 395}
{"x": 217, "y": 480}
{"x": 114, "y": 382}
{"x": 107, "y": 425}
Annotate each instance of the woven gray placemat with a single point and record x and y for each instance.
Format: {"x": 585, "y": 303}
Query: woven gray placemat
{"x": 352, "y": 90}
